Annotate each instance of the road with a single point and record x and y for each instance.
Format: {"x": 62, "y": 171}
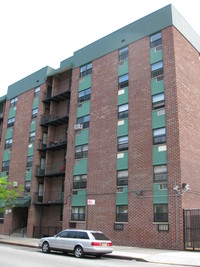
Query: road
{"x": 17, "y": 256}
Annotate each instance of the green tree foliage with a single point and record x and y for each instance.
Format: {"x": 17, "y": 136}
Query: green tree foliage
{"x": 8, "y": 194}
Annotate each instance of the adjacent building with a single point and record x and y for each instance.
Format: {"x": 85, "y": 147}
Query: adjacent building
{"x": 110, "y": 140}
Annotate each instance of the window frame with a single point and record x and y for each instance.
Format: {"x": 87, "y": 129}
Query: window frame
{"x": 8, "y": 143}
{"x": 86, "y": 69}
{"x": 81, "y": 183}
{"x": 160, "y": 216}
{"x": 157, "y": 69}
{"x": 122, "y": 180}
{"x": 160, "y": 176}
{"x": 82, "y": 120}
{"x": 154, "y": 41}
{"x": 34, "y": 112}
{"x": 11, "y": 122}
{"x": 37, "y": 91}
{"x": 123, "y": 54}
{"x": 122, "y": 216}
{"x": 82, "y": 153}
{"x": 29, "y": 162}
{"x": 5, "y": 165}
{"x": 122, "y": 143}
{"x": 32, "y": 137}
{"x": 85, "y": 97}
{"x": 124, "y": 113}
{"x": 123, "y": 81}
{"x": 159, "y": 138}
{"x": 13, "y": 101}
{"x": 80, "y": 215}
{"x": 159, "y": 104}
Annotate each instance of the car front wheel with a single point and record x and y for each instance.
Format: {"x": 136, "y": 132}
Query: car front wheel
{"x": 45, "y": 247}
{"x": 78, "y": 252}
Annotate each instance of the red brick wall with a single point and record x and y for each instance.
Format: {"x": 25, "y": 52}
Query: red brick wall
{"x": 102, "y": 154}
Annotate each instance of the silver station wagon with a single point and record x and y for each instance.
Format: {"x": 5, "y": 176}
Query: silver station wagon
{"x": 79, "y": 242}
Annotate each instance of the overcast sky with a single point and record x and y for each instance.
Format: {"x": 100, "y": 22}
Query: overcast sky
{"x": 37, "y": 33}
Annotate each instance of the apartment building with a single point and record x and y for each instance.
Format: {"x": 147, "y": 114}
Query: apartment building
{"x": 110, "y": 140}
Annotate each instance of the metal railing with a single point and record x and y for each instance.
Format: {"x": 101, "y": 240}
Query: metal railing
{"x": 56, "y": 168}
{"x": 52, "y": 197}
{"x": 53, "y": 142}
{"x": 54, "y": 116}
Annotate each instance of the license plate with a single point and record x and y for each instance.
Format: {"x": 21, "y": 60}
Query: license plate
{"x": 104, "y": 244}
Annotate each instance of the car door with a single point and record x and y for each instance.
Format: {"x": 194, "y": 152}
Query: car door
{"x": 69, "y": 242}
{"x": 57, "y": 242}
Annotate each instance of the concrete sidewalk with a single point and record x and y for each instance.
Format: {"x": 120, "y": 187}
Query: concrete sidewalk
{"x": 184, "y": 258}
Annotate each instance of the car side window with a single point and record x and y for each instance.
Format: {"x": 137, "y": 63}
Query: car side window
{"x": 82, "y": 235}
{"x": 62, "y": 234}
{"x": 72, "y": 234}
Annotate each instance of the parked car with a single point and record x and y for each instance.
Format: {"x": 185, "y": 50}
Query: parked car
{"x": 79, "y": 242}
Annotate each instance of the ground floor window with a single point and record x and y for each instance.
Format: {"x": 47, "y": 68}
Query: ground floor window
{"x": 78, "y": 214}
{"x": 1, "y": 217}
{"x": 122, "y": 213}
{"x": 161, "y": 213}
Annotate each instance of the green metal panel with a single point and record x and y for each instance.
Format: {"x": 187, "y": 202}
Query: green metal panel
{"x": 3, "y": 174}
{"x": 122, "y": 197}
{"x": 79, "y": 199}
{"x": 159, "y": 155}
{"x": 85, "y": 82}
{"x": 30, "y": 149}
{"x": 159, "y": 196}
{"x": 155, "y": 56}
{"x": 122, "y": 161}
{"x": 28, "y": 174}
{"x": 32, "y": 81}
{"x": 156, "y": 87}
{"x": 9, "y": 133}
{"x": 33, "y": 125}
{"x": 12, "y": 112}
{"x": 82, "y": 137}
{"x": 6, "y": 154}
{"x": 158, "y": 119}
{"x": 122, "y": 128}
{"x": 35, "y": 102}
{"x": 123, "y": 96}
{"x": 80, "y": 166}
{"x": 84, "y": 109}
{"x": 123, "y": 68}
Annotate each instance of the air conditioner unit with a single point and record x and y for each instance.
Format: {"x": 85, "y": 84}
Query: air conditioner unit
{"x": 15, "y": 184}
{"x": 78, "y": 127}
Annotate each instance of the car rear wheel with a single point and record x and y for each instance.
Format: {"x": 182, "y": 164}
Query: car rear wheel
{"x": 78, "y": 252}
{"x": 99, "y": 256}
{"x": 45, "y": 247}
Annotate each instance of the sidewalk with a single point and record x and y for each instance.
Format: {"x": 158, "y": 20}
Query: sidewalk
{"x": 184, "y": 258}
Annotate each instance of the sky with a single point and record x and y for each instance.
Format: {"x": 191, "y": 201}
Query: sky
{"x": 37, "y": 33}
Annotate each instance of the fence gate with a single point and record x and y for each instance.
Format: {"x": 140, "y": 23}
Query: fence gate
{"x": 192, "y": 229}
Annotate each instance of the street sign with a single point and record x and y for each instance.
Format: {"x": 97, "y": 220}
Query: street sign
{"x": 91, "y": 202}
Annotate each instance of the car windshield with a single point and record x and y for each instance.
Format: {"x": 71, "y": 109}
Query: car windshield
{"x": 99, "y": 236}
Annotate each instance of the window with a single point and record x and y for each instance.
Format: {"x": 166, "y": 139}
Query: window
{"x": 80, "y": 181}
{"x": 158, "y": 101}
{"x": 37, "y": 91}
{"x": 161, "y": 213}
{"x": 5, "y": 165}
{"x": 85, "y": 70}
{"x": 123, "y": 111}
{"x": 123, "y": 81}
{"x": 32, "y": 137}
{"x": 1, "y": 217}
{"x": 34, "y": 112}
{"x": 122, "y": 214}
{"x": 122, "y": 144}
{"x": 160, "y": 173}
{"x": 13, "y": 101}
{"x": 11, "y": 122}
{"x": 84, "y": 95}
{"x": 78, "y": 214}
{"x": 81, "y": 151}
{"x": 156, "y": 39}
{"x": 122, "y": 178}
{"x": 27, "y": 186}
{"x": 85, "y": 121}
{"x": 157, "y": 69}
{"x": 159, "y": 136}
{"x": 29, "y": 161}
{"x": 123, "y": 54}
{"x": 8, "y": 143}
